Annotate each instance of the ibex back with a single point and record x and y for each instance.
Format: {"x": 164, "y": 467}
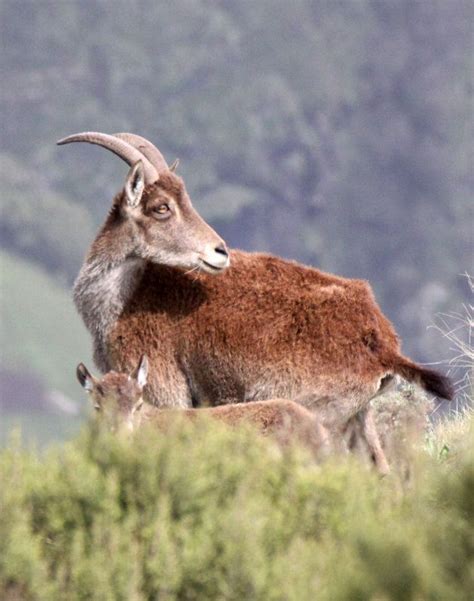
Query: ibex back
{"x": 263, "y": 328}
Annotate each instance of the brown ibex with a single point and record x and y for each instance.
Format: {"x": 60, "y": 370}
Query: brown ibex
{"x": 264, "y": 328}
{"x": 118, "y": 400}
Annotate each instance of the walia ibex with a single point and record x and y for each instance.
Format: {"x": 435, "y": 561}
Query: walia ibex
{"x": 118, "y": 400}
{"x": 264, "y": 327}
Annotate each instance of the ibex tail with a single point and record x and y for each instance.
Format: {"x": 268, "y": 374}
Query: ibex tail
{"x": 429, "y": 379}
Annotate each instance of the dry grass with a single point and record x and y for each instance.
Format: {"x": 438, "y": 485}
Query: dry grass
{"x": 458, "y": 328}
{"x": 452, "y": 435}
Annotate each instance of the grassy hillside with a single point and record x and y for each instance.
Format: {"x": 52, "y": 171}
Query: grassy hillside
{"x": 40, "y": 429}
{"x": 41, "y": 331}
{"x": 39, "y": 224}
{"x": 205, "y": 513}
{"x": 42, "y": 340}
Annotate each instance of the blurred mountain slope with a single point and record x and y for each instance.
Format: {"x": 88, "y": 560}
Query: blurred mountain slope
{"x": 39, "y": 224}
{"x": 335, "y": 133}
{"x": 41, "y": 332}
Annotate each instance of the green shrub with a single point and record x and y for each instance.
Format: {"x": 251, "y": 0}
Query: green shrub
{"x": 208, "y": 513}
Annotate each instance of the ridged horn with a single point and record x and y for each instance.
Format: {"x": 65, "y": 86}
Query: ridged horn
{"x": 147, "y": 148}
{"x": 121, "y": 148}
{"x": 174, "y": 166}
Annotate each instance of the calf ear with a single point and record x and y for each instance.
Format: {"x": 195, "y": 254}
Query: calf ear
{"x": 135, "y": 184}
{"x": 86, "y": 380}
{"x": 141, "y": 371}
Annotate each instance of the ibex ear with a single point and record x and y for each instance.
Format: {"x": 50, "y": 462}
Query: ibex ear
{"x": 135, "y": 184}
{"x": 141, "y": 371}
{"x": 86, "y": 380}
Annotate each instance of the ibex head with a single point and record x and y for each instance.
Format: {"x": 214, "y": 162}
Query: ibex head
{"x": 155, "y": 209}
{"x": 117, "y": 397}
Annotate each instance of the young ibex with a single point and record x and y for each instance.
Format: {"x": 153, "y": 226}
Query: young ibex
{"x": 264, "y": 328}
{"x": 118, "y": 400}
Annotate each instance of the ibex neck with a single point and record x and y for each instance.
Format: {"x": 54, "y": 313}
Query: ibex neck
{"x": 106, "y": 282}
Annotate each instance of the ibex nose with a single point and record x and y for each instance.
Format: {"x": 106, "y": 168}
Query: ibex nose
{"x": 222, "y": 249}
{"x": 216, "y": 257}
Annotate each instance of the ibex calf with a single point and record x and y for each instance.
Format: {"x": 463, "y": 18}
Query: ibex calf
{"x": 264, "y": 328}
{"x": 118, "y": 399}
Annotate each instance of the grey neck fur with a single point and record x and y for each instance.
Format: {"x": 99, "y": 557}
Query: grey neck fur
{"x": 101, "y": 291}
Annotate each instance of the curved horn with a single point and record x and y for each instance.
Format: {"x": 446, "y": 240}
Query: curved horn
{"x": 147, "y": 148}
{"x": 121, "y": 148}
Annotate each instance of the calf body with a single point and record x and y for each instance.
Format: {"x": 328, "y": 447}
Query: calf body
{"x": 284, "y": 420}
{"x": 118, "y": 399}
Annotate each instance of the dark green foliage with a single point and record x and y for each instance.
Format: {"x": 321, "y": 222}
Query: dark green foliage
{"x": 205, "y": 513}
{"x": 39, "y": 224}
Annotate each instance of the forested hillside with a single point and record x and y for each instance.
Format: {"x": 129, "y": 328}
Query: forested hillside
{"x": 338, "y": 133}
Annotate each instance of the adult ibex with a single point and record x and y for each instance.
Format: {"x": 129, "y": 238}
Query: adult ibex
{"x": 264, "y": 328}
{"x": 118, "y": 400}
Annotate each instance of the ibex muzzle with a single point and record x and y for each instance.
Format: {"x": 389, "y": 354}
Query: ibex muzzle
{"x": 153, "y": 215}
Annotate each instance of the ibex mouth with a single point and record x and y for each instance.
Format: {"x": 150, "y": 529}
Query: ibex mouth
{"x": 210, "y": 268}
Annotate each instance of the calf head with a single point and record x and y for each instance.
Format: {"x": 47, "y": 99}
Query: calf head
{"x": 117, "y": 397}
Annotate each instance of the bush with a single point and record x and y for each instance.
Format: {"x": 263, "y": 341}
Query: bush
{"x": 208, "y": 513}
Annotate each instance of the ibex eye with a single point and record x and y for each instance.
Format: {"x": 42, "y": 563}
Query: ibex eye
{"x": 162, "y": 209}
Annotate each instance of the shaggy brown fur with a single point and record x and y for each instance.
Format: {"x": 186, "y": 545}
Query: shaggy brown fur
{"x": 266, "y": 327}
